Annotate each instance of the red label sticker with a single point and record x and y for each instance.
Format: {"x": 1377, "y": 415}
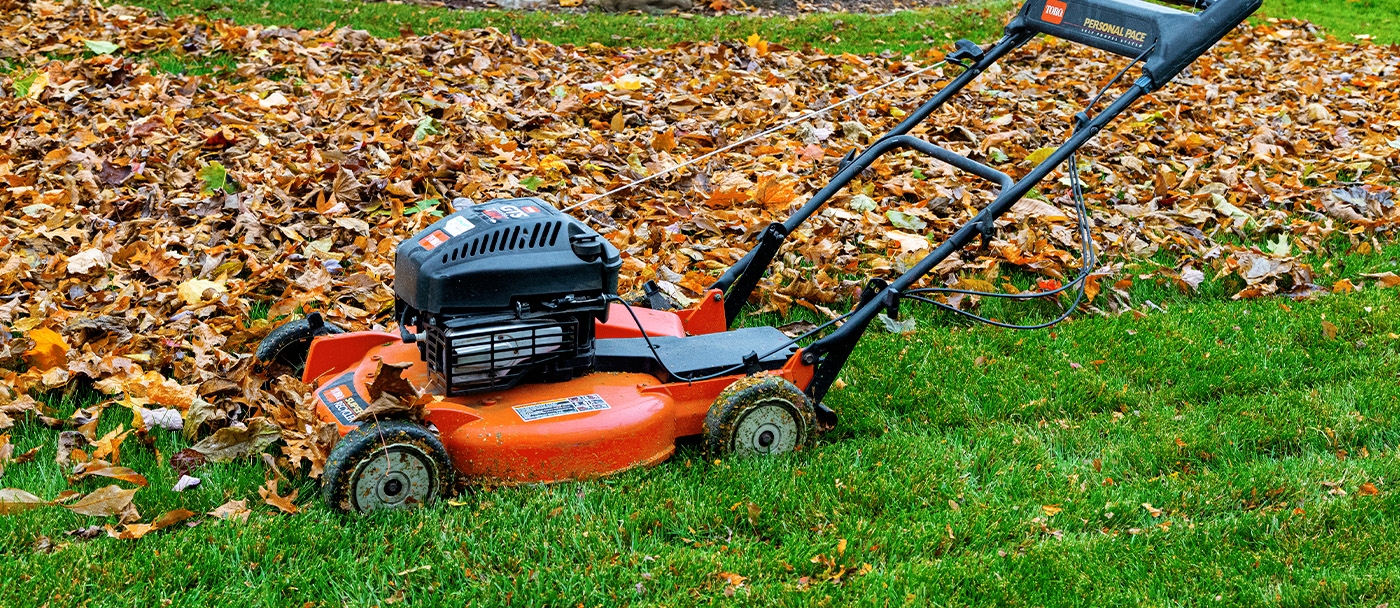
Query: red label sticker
{"x": 1054, "y": 11}
{"x": 530, "y": 209}
{"x": 335, "y": 393}
{"x": 438, "y": 237}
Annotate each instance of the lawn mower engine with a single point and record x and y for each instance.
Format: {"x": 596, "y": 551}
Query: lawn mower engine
{"x": 503, "y": 293}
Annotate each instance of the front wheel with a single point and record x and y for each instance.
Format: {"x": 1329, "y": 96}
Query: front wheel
{"x": 757, "y": 416}
{"x": 390, "y": 464}
{"x": 289, "y": 344}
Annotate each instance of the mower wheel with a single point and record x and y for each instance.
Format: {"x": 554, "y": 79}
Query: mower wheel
{"x": 386, "y": 465}
{"x": 759, "y": 415}
{"x": 289, "y": 344}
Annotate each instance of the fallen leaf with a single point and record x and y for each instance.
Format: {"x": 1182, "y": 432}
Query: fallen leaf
{"x": 103, "y": 502}
{"x": 284, "y": 504}
{"x": 136, "y": 531}
{"x": 198, "y": 291}
{"x": 233, "y": 442}
{"x": 87, "y": 261}
{"x": 101, "y": 47}
{"x": 1051, "y": 510}
{"x": 232, "y": 510}
{"x": 104, "y": 469}
{"x": 49, "y": 349}
{"x": 184, "y": 483}
{"x": 13, "y": 500}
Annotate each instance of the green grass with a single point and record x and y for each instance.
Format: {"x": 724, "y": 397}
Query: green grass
{"x": 1230, "y": 416}
{"x": 1343, "y": 18}
{"x": 902, "y": 32}
{"x": 1236, "y": 418}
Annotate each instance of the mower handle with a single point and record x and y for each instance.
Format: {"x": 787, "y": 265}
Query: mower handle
{"x": 1167, "y": 39}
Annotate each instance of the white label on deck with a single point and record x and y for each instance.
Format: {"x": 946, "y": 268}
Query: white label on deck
{"x": 531, "y": 412}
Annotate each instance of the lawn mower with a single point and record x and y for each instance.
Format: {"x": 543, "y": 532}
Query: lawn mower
{"x": 508, "y": 312}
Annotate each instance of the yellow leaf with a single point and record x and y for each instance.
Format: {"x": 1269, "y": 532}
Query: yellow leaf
{"x": 196, "y": 291}
{"x": 908, "y": 243}
{"x": 1040, "y": 155}
{"x": 1050, "y": 510}
{"x": 841, "y": 547}
{"x": 570, "y": 3}
{"x": 49, "y": 350}
{"x": 628, "y": 82}
{"x": 40, "y": 82}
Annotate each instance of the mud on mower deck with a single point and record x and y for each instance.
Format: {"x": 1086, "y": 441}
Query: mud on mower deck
{"x": 508, "y": 312}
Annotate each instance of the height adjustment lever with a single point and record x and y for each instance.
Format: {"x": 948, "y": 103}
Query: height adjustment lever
{"x": 967, "y": 50}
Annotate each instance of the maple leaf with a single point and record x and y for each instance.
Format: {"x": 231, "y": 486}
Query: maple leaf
{"x": 49, "y": 350}
{"x": 215, "y": 178}
{"x": 285, "y": 504}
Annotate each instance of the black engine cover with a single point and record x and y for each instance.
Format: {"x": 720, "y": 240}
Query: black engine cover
{"x": 492, "y": 256}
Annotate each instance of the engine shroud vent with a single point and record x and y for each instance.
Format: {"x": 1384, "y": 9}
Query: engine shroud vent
{"x": 470, "y": 359}
{"x": 509, "y": 238}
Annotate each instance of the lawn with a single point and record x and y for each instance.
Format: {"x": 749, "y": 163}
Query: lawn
{"x": 902, "y": 32}
{"x": 1215, "y": 449}
{"x": 1207, "y": 452}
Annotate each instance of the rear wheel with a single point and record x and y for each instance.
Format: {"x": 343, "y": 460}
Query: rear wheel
{"x": 391, "y": 464}
{"x": 288, "y": 345}
{"x": 759, "y": 416}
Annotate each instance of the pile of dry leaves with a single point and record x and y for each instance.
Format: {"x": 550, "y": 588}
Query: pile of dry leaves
{"x": 149, "y": 217}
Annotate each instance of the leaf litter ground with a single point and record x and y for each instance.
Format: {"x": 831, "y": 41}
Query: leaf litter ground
{"x": 159, "y": 225}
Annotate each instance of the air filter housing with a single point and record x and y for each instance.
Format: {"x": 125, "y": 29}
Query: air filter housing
{"x": 504, "y": 291}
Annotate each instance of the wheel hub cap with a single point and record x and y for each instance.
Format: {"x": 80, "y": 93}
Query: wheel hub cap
{"x": 767, "y": 429}
{"x": 395, "y": 476}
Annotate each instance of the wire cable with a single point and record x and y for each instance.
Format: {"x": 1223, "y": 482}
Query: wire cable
{"x": 1088, "y": 258}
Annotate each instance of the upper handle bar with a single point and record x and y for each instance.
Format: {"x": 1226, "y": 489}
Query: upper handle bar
{"x": 1168, "y": 39}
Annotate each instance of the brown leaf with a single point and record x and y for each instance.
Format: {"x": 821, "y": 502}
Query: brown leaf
{"x": 284, "y": 504}
{"x": 1329, "y": 330}
{"x": 1367, "y": 489}
{"x": 103, "y": 468}
{"x": 388, "y": 379}
{"x": 103, "y": 502}
{"x": 232, "y": 510}
{"x": 13, "y": 500}
{"x": 230, "y": 443}
{"x": 1385, "y": 279}
{"x": 136, "y": 531}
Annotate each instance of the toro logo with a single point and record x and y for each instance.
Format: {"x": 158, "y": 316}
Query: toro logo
{"x": 438, "y": 237}
{"x": 1054, "y": 11}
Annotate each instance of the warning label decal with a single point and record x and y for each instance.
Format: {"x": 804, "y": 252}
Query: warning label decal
{"x": 560, "y": 407}
{"x": 340, "y": 398}
{"x": 457, "y": 225}
{"x": 438, "y": 237}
